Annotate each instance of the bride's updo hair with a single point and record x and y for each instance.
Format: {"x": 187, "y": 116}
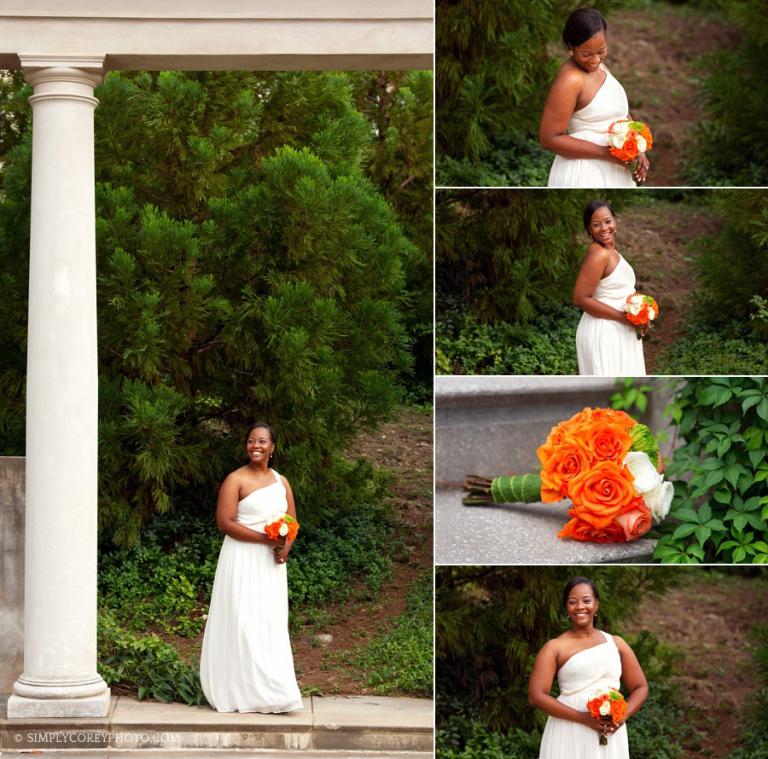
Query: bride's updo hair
{"x": 592, "y": 207}
{"x": 573, "y": 582}
{"x": 581, "y": 25}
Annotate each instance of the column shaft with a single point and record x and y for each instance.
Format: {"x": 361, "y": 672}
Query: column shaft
{"x": 60, "y": 677}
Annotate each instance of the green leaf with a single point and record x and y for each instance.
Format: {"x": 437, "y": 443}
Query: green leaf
{"x": 702, "y": 534}
{"x": 684, "y": 530}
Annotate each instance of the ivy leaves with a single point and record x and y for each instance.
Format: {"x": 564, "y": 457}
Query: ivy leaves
{"x": 720, "y": 512}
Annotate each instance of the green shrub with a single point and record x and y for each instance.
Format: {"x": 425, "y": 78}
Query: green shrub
{"x": 729, "y": 150}
{"x": 720, "y": 508}
{"x": 401, "y": 659}
{"x": 547, "y": 345}
{"x": 147, "y": 663}
{"x": 516, "y": 161}
{"x": 729, "y": 349}
{"x": 754, "y": 741}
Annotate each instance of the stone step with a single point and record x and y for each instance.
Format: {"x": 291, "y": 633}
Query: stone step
{"x": 216, "y": 753}
{"x": 518, "y": 534}
{"x": 492, "y": 426}
{"x": 358, "y": 725}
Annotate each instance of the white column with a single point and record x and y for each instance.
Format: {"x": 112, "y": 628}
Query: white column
{"x": 60, "y": 677}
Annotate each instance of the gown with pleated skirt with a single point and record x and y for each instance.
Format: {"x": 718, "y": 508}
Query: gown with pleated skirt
{"x": 246, "y": 663}
{"x": 591, "y": 123}
{"x": 606, "y": 347}
{"x": 585, "y": 675}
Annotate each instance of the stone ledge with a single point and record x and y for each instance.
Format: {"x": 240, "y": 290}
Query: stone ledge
{"x": 337, "y": 725}
{"x": 518, "y": 534}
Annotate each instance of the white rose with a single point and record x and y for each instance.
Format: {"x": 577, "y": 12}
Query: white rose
{"x": 642, "y": 145}
{"x": 605, "y": 708}
{"x": 651, "y": 314}
{"x": 644, "y": 472}
{"x": 620, "y": 127}
{"x": 617, "y": 140}
{"x": 633, "y": 309}
{"x": 659, "y": 500}
{"x": 283, "y": 531}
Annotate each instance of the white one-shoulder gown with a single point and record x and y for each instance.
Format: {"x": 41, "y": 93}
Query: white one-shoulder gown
{"x": 585, "y": 675}
{"x": 591, "y": 123}
{"x": 246, "y": 663}
{"x": 606, "y": 347}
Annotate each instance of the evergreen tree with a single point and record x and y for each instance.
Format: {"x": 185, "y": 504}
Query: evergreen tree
{"x": 507, "y": 253}
{"x": 247, "y": 268}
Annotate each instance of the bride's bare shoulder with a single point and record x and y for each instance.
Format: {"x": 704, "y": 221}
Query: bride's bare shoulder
{"x": 596, "y": 255}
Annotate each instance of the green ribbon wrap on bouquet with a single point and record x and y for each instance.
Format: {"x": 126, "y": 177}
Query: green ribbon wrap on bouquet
{"x": 519, "y": 488}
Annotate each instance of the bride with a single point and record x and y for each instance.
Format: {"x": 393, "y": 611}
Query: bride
{"x": 246, "y": 663}
{"x": 584, "y": 100}
{"x": 587, "y": 661}
{"x": 606, "y": 343}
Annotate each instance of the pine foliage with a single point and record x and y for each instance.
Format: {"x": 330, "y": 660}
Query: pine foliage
{"x": 248, "y": 267}
{"x": 507, "y": 253}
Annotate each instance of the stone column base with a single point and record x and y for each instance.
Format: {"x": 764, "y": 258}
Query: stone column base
{"x": 21, "y": 707}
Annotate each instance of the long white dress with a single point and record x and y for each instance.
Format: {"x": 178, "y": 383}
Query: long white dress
{"x": 585, "y": 675}
{"x": 606, "y": 347}
{"x": 591, "y": 123}
{"x": 246, "y": 663}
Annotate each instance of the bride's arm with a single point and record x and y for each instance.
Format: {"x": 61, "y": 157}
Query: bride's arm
{"x": 632, "y": 676}
{"x": 282, "y": 551}
{"x": 588, "y": 279}
{"x": 226, "y": 513}
{"x": 544, "y": 669}
{"x": 558, "y": 109}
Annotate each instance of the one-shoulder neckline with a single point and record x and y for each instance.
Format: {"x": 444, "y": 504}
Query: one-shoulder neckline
{"x": 597, "y": 92}
{"x": 606, "y": 642}
{"x": 613, "y": 271}
{"x": 263, "y": 487}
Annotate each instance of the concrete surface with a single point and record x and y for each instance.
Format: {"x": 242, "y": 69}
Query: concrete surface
{"x": 331, "y": 726}
{"x": 11, "y": 570}
{"x": 518, "y": 534}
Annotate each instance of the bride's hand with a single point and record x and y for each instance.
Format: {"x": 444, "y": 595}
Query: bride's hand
{"x": 641, "y": 172}
{"x": 281, "y": 552}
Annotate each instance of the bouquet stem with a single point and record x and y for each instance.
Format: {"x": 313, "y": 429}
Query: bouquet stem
{"x": 521, "y": 488}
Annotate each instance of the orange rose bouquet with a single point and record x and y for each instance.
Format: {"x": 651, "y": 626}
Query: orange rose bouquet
{"x": 603, "y": 461}
{"x": 282, "y": 526}
{"x": 642, "y": 311}
{"x": 627, "y": 139}
{"x": 607, "y": 707}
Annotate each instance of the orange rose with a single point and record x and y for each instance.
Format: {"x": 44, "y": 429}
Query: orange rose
{"x": 608, "y": 441}
{"x": 602, "y": 492}
{"x": 578, "y": 529}
{"x": 635, "y": 523}
{"x": 618, "y": 709}
{"x": 560, "y": 463}
{"x": 628, "y": 152}
{"x": 646, "y": 133}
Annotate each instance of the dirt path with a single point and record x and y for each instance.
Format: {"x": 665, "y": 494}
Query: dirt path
{"x": 653, "y": 53}
{"x": 655, "y": 241}
{"x": 707, "y": 618}
{"x": 405, "y": 446}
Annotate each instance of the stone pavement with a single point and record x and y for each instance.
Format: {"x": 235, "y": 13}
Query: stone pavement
{"x": 518, "y": 533}
{"x": 346, "y": 727}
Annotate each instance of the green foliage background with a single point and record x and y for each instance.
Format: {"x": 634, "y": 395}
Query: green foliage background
{"x": 262, "y": 252}
{"x": 720, "y": 510}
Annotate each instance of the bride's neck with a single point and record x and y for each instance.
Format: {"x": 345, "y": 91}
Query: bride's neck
{"x": 580, "y": 633}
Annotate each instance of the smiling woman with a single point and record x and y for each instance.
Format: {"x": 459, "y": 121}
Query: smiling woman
{"x": 583, "y": 102}
{"x": 588, "y": 663}
{"x": 606, "y": 343}
{"x": 246, "y": 663}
